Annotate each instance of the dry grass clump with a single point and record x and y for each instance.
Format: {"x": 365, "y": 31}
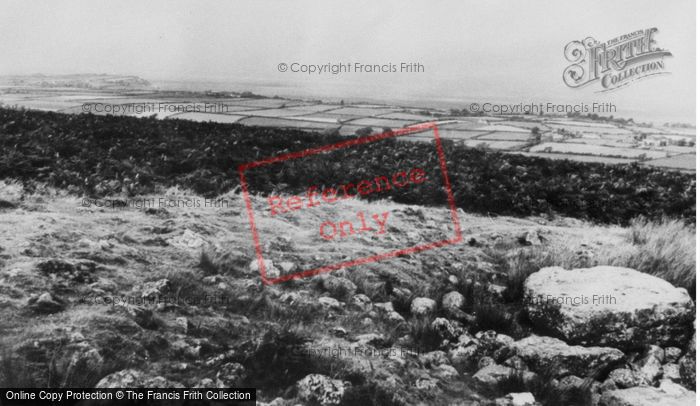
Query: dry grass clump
{"x": 664, "y": 248}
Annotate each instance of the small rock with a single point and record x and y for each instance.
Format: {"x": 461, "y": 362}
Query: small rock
{"x": 649, "y": 368}
{"x": 426, "y": 384}
{"x": 453, "y": 301}
{"x": 316, "y": 388}
{"x": 361, "y": 302}
{"x": 189, "y": 240}
{"x": 515, "y": 362}
{"x": 656, "y": 352}
{"x": 330, "y": 303}
{"x": 489, "y": 377}
{"x": 433, "y": 358}
{"x": 287, "y": 267}
{"x": 530, "y": 237}
{"x": 486, "y": 361}
{"x": 521, "y": 399}
{"x": 672, "y": 354}
{"x": 339, "y": 288}
{"x": 155, "y": 289}
{"x": 672, "y": 372}
{"x": 271, "y": 271}
{"x": 46, "y": 303}
{"x": 444, "y": 372}
{"x": 448, "y": 329}
{"x": 182, "y": 325}
{"x": 230, "y": 375}
{"x": 624, "y": 378}
{"x": 339, "y": 332}
{"x": 423, "y": 306}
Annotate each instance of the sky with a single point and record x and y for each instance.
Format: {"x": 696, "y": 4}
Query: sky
{"x": 471, "y": 50}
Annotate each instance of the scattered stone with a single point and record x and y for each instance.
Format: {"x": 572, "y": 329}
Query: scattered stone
{"x": 131, "y": 378}
{"x": 448, "y": 329}
{"x": 433, "y": 358}
{"x": 486, "y": 361}
{"x": 155, "y": 289}
{"x": 330, "y": 303}
{"x": 672, "y": 354}
{"x": 339, "y": 332}
{"x": 646, "y": 396}
{"x": 521, "y": 399}
{"x": 453, "y": 279}
{"x": 656, "y": 352}
{"x": 634, "y": 309}
{"x": 571, "y": 381}
{"x": 287, "y": 267}
{"x": 672, "y": 372}
{"x": 182, "y": 325}
{"x": 463, "y": 355}
{"x": 625, "y": 378}
{"x": 444, "y": 372}
{"x": 339, "y": 288}
{"x": 361, "y": 302}
{"x": 489, "y": 377}
{"x": 321, "y": 389}
{"x": 530, "y": 237}
{"x": 453, "y": 301}
{"x": 426, "y": 383}
{"x": 46, "y": 303}
{"x": 541, "y": 353}
{"x": 189, "y": 240}
{"x": 271, "y": 271}
{"x": 230, "y": 375}
{"x": 423, "y": 306}
{"x": 649, "y": 368}
{"x": 515, "y": 362}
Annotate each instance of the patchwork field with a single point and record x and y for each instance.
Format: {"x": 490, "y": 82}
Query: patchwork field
{"x": 586, "y": 149}
{"x": 577, "y": 139}
{"x": 686, "y": 162}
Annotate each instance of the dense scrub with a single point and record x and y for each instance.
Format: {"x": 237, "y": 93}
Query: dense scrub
{"x": 104, "y": 155}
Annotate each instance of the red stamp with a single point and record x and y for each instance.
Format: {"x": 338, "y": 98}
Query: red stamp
{"x": 361, "y": 223}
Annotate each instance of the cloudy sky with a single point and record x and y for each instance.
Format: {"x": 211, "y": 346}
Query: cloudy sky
{"x": 472, "y": 50}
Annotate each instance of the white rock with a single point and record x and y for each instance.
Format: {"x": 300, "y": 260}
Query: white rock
{"x": 610, "y": 306}
{"x": 521, "y": 399}
{"x": 422, "y": 306}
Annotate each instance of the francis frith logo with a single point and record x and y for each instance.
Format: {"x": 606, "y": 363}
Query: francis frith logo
{"x": 616, "y": 62}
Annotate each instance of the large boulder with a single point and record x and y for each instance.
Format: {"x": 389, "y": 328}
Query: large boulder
{"x": 546, "y": 353}
{"x": 648, "y": 396}
{"x": 609, "y": 306}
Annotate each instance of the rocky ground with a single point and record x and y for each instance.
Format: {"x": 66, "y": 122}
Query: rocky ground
{"x": 172, "y": 297}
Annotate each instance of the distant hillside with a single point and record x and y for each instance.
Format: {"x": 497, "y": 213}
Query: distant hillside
{"x": 78, "y": 81}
